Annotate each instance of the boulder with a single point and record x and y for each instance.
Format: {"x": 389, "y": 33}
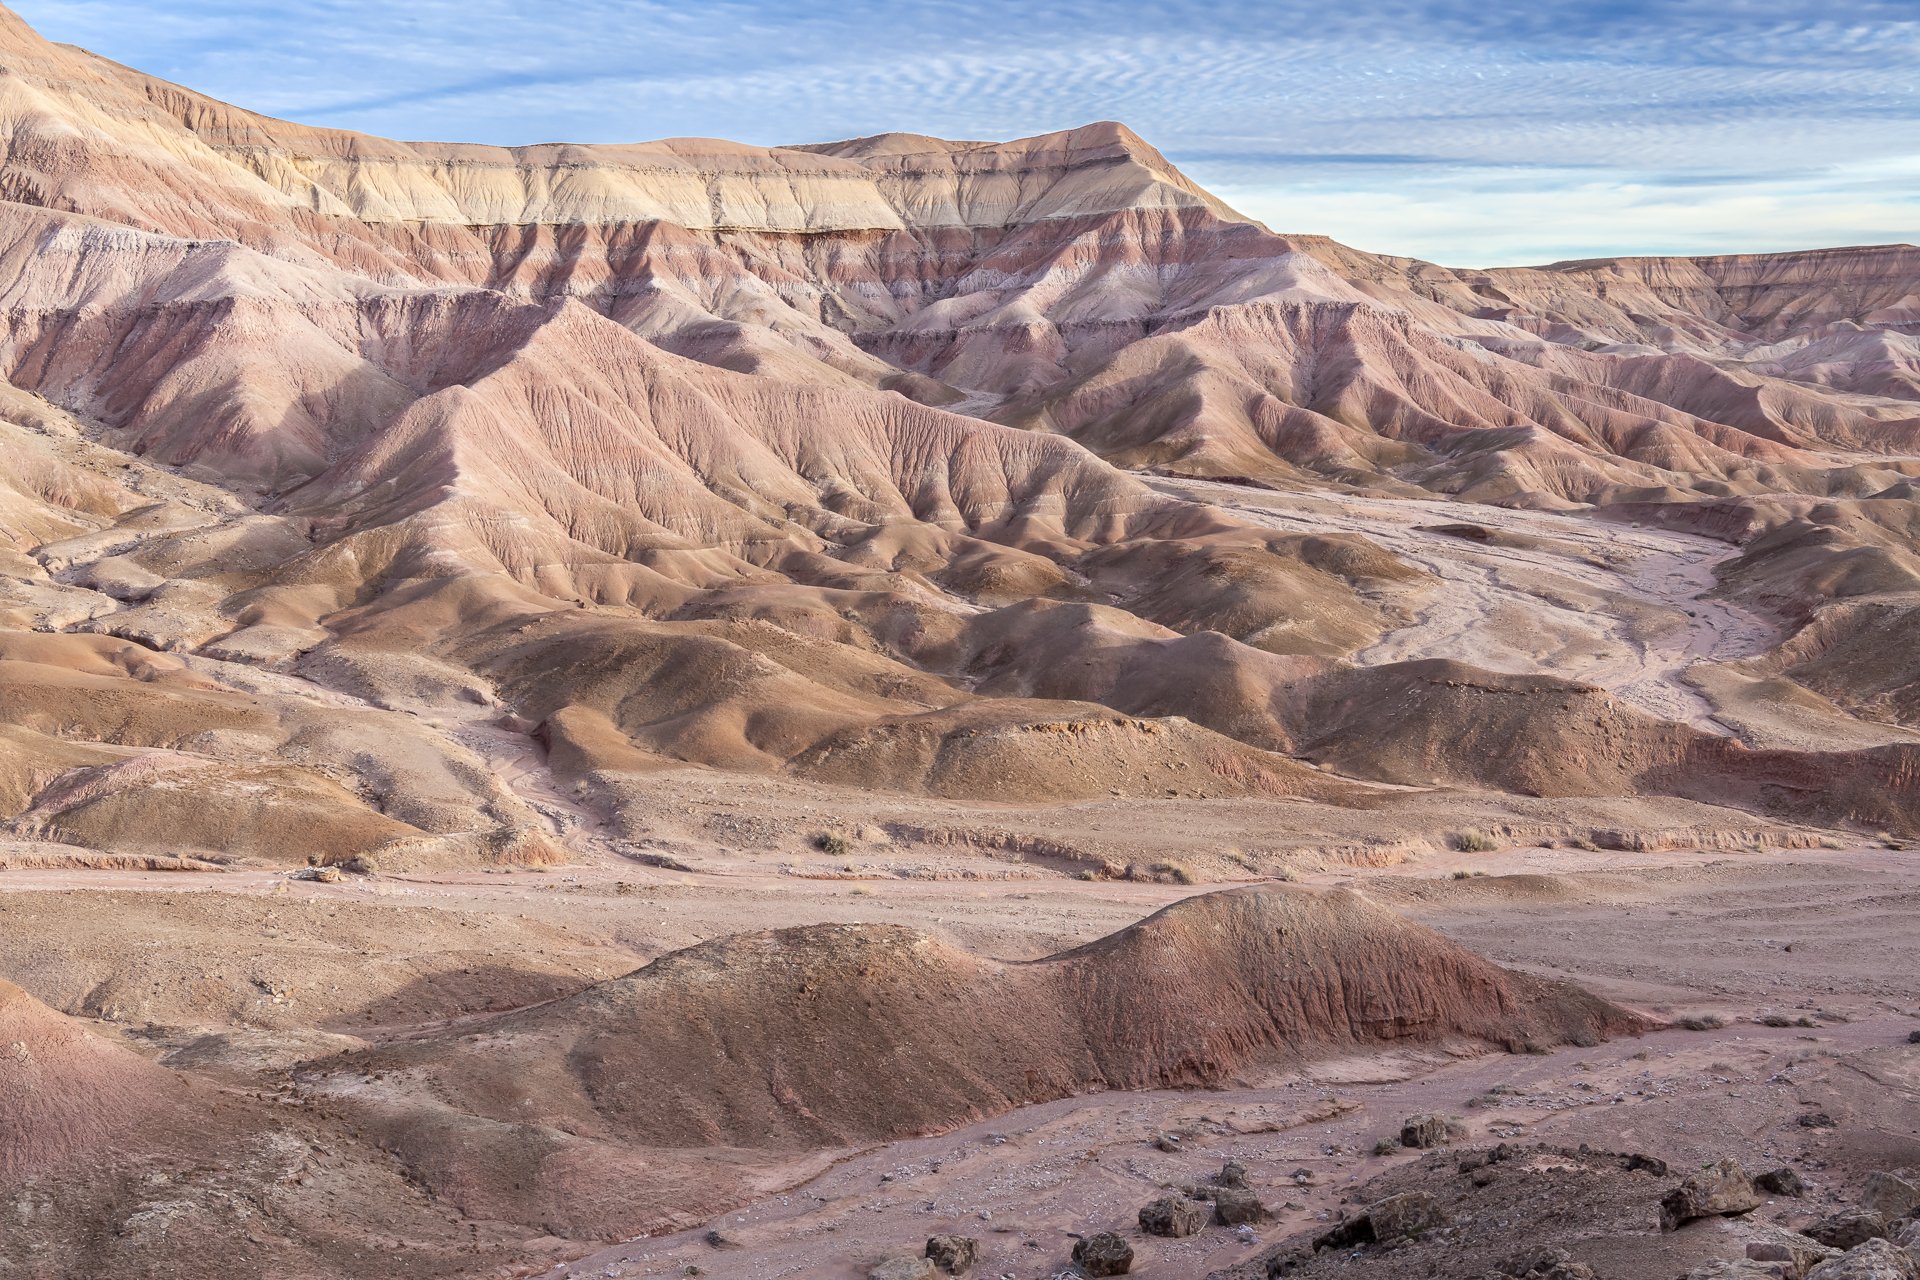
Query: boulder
{"x": 1104, "y": 1254}
{"x": 1235, "y": 1205}
{"x": 1874, "y": 1260}
{"x": 1719, "y": 1190}
{"x": 1792, "y": 1254}
{"x": 1174, "y": 1216}
{"x": 954, "y": 1255}
{"x": 1423, "y": 1131}
{"x": 1783, "y": 1181}
{"x": 1890, "y": 1195}
{"x": 1232, "y": 1174}
{"x": 1407, "y": 1214}
{"x": 1906, "y": 1234}
{"x": 904, "y": 1269}
{"x": 1848, "y": 1229}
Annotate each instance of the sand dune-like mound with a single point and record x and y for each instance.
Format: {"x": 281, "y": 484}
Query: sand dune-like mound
{"x": 840, "y": 1034}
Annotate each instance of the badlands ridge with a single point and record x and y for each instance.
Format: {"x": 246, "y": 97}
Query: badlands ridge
{"x": 760, "y": 647}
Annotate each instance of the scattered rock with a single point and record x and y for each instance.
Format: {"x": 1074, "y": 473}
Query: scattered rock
{"x": 1547, "y": 1263}
{"x": 1733, "y": 1269}
{"x": 1874, "y": 1260}
{"x": 1719, "y": 1190}
{"x": 1906, "y": 1234}
{"x": 1783, "y": 1181}
{"x": 955, "y": 1255}
{"x": 1235, "y": 1205}
{"x": 1637, "y": 1163}
{"x": 1890, "y": 1195}
{"x": 1848, "y": 1229}
{"x": 1167, "y": 1142}
{"x": 325, "y": 875}
{"x": 1816, "y": 1120}
{"x": 1104, "y": 1254}
{"x": 1424, "y": 1131}
{"x": 1174, "y": 1216}
{"x": 1232, "y": 1174}
{"x": 1913, "y": 1037}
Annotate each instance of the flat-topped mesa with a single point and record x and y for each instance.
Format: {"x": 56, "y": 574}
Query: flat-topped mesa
{"x": 704, "y": 184}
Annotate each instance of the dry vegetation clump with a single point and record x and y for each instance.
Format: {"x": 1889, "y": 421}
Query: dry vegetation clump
{"x": 1474, "y": 842}
{"x": 833, "y": 843}
{"x": 1700, "y": 1022}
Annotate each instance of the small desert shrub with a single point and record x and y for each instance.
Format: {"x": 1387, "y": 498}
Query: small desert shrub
{"x": 1474, "y": 842}
{"x": 1286, "y": 874}
{"x": 1700, "y": 1022}
{"x": 1386, "y": 1146}
{"x": 1463, "y": 875}
{"x": 1171, "y": 873}
{"x": 860, "y": 891}
{"x": 833, "y": 844}
{"x": 1584, "y": 844}
{"x": 363, "y": 864}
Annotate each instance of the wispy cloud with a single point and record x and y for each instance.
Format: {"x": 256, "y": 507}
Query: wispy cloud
{"x": 1463, "y": 130}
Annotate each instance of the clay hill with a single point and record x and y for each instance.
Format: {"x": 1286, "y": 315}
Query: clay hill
{"x": 805, "y": 461}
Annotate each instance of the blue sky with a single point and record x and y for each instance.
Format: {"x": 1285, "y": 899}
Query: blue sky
{"x": 1466, "y": 132}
